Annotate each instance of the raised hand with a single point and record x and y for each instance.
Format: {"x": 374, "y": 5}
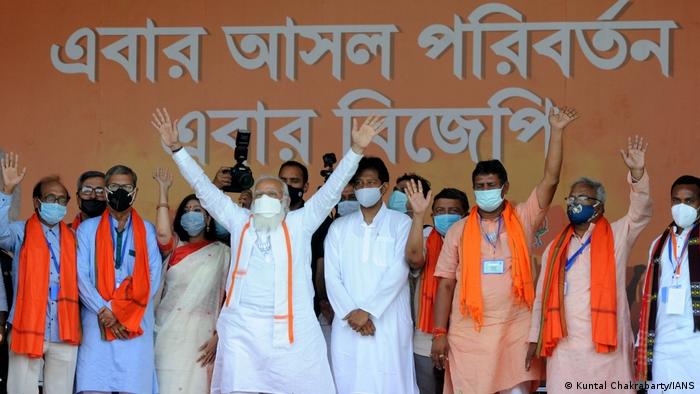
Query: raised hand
{"x": 10, "y": 172}
{"x": 634, "y": 156}
{"x": 168, "y": 133}
{"x": 362, "y": 136}
{"x": 419, "y": 202}
{"x": 562, "y": 119}
{"x": 164, "y": 178}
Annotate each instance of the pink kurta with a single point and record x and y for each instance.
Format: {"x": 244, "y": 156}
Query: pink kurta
{"x": 494, "y": 358}
{"x": 574, "y": 359}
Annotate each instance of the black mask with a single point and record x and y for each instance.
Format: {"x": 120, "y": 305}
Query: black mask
{"x": 120, "y": 200}
{"x": 295, "y": 195}
{"x": 93, "y": 208}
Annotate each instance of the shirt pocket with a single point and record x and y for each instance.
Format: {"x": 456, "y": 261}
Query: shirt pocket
{"x": 382, "y": 253}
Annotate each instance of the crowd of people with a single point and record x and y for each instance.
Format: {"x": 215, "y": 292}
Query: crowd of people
{"x": 342, "y": 293}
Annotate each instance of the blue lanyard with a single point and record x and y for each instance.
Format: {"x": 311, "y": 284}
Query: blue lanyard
{"x": 54, "y": 260}
{"x": 494, "y": 244}
{"x": 571, "y": 260}
{"x": 125, "y": 238}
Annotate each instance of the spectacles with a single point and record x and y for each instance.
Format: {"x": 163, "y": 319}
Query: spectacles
{"x": 113, "y": 187}
{"x": 88, "y": 190}
{"x": 584, "y": 200}
{"x": 52, "y": 199}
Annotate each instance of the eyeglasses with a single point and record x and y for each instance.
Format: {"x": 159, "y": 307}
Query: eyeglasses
{"x": 113, "y": 187}
{"x": 584, "y": 200}
{"x": 52, "y": 199}
{"x": 88, "y": 190}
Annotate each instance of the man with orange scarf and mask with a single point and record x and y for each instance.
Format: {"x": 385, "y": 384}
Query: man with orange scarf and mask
{"x": 486, "y": 287}
{"x": 422, "y": 253}
{"x": 45, "y": 315}
{"x": 580, "y": 319}
{"x": 119, "y": 267}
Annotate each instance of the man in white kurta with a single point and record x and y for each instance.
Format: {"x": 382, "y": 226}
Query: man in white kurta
{"x": 676, "y": 345}
{"x": 270, "y": 342}
{"x": 366, "y": 270}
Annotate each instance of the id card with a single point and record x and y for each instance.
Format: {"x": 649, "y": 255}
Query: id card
{"x": 675, "y": 304}
{"x": 53, "y": 291}
{"x": 493, "y": 266}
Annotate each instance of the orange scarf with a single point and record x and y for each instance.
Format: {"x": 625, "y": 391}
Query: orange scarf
{"x": 30, "y": 309}
{"x": 76, "y": 222}
{"x": 429, "y": 283}
{"x": 471, "y": 301}
{"x": 129, "y": 301}
{"x": 603, "y": 291}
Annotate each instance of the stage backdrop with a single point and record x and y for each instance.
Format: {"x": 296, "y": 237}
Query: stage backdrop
{"x": 457, "y": 81}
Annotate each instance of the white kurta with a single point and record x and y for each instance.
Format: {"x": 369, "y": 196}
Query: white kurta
{"x": 365, "y": 268}
{"x": 246, "y": 358}
{"x": 676, "y": 346}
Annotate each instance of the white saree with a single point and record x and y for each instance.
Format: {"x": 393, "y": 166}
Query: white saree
{"x": 186, "y": 318}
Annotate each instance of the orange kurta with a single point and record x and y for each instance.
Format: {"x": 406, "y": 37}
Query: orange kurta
{"x": 575, "y": 359}
{"x": 494, "y": 358}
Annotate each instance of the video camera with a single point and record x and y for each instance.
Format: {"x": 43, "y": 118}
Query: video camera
{"x": 241, "y": 174}
{"x": 329, "y": 161}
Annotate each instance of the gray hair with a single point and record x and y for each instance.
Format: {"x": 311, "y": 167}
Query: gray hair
{"x": 600, "y": 193}
{"x": 120, "y": 169}
{"x": 285, "y": 190}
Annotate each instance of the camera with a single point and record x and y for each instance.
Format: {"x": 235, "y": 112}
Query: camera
{"x": 241, "y": 174}
{"x": 329, "y": 161}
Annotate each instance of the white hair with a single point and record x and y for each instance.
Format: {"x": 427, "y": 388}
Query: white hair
{"x": 262, "y": 223}
{"x": 600, "y": 193}
{"x": 283, "y": 184}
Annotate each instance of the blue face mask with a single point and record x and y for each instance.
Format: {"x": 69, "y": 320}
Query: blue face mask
{"x": 221, "y": 232}
{"x": 579, "y": 213}
{"x": 347, "y": 207}
{"x": 193, "y": 223}
{"x": 489, "y": 200}
{"x": 397, "y": 201}
{"x": 52, "y": 212}
{"x": 444, "y": 222}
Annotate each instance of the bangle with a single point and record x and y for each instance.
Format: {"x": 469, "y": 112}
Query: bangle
{"x": 439, "y": 330}
{"x": 163, "y": 205}
{"x": 176, "y": 150}
{"x": 438, "y": 335}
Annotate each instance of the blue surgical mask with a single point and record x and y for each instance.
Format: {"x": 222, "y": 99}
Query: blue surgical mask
{"x": 369, "y": 196}
{"x": 397, "y": 201}
{"x": 579, "y": 213}
{"x": 489, "y": 200}
{"x": 347, "y": 207}
{"x": 444, "y": 222}
{"x": 193, "y": 223}
{"x": 52, "y": 212}
{"x": 221, "y": 232}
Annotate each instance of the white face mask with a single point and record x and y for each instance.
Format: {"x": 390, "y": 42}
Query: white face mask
{"x": 489, "y": 200}
{"x": 266, "y": 206}
{"x": 268, "y": 213}
{"x": 684, "y": 215}
{"x": 368, "y": 196}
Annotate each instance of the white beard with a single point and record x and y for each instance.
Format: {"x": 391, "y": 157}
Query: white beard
{"x": 262, "y": 223}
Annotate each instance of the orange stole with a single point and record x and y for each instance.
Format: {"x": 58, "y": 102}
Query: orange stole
{"x": 129, "y": 301}
{"x": 290, "y": 309}
{"x": 603, "y": 291}
{"x": 429, "y": 284}
{"x": 471, "y": 301}
{"x": 30, "y": 309}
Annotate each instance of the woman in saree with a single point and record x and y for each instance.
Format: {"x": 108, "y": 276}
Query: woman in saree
{"x": 192, "y": 293}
